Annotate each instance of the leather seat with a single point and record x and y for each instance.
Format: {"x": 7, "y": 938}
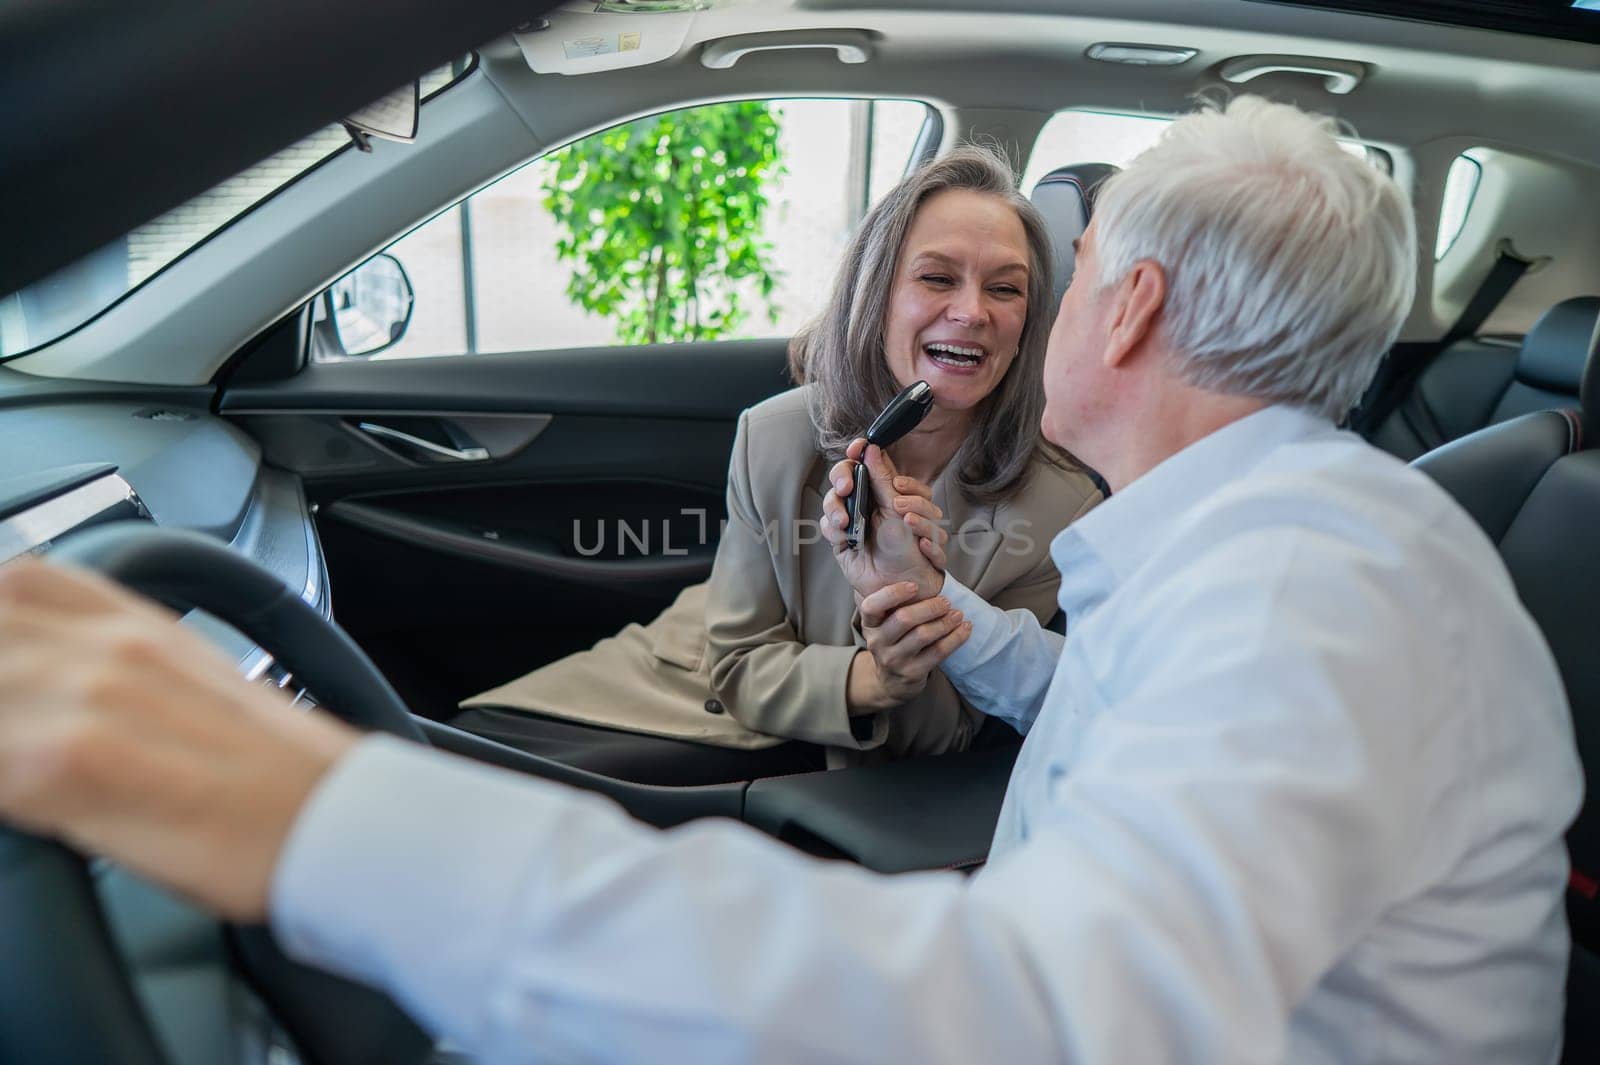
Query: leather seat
{"x": 1533, "y": 484}
{"x": 1065, "y": 197}
{"x": 1480, "y": 382}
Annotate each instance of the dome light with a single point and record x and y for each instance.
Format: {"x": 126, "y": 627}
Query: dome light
{"x": 1141, "y": 55}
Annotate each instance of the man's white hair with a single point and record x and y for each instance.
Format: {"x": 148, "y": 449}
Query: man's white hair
{"x": 1290, "y": 262}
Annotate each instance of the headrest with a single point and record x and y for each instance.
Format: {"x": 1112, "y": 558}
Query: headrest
{"x": 1560, "y": 345}
{"x": 1065, "y": 197}
{"x": 1589, "y": 390}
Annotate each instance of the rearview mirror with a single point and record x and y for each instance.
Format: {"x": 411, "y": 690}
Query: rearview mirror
{"x": 393, "y": 118}
{"x": 365, "y": 311}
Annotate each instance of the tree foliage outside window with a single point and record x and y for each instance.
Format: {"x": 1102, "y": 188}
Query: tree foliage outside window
{"x": 662, "y": 221}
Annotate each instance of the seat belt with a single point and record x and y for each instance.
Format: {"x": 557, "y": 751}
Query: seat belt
{"x": 1507, "y": 270}
{"x": 1395, "y": 383}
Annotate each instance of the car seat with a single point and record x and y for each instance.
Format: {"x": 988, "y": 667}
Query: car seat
{"x": 1484, "y": 381}
{"x": 1065, "y": 197}
{"x": 1533, "y": 485}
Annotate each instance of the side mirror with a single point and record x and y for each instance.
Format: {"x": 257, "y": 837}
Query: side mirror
{"x": 365, "y": 311}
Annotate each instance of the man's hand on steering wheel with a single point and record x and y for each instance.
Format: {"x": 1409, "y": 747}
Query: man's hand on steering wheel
{"x": 131, "y": 737}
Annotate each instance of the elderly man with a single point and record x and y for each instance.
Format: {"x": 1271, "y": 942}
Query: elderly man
{"x": 1293, "y": 789}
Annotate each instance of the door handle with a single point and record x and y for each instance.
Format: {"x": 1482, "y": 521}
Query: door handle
{"x": 428, "y": 447}
{"x": 852, "y": 46}
{"x": 1339, "y": 76}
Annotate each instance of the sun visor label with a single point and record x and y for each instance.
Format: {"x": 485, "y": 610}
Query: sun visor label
{"x": 597, "y": 44}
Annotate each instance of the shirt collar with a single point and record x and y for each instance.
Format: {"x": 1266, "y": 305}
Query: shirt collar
{"x": 1100, "y": 549}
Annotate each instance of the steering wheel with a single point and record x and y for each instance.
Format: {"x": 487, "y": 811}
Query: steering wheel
{"x": 65, "y": 993}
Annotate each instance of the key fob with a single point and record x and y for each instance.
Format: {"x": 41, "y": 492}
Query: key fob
{"x": 903, "y": 414}
{"x": 858, "y": 508}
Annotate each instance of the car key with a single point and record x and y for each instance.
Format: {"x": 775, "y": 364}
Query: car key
{"x": 903, "y": 414}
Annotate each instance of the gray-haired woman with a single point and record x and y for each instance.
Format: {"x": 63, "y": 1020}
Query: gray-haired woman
{"x": 761, "y": 669}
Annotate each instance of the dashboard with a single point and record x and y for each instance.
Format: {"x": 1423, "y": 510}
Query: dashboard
{"x": 67, "y": 464}
{"x": 72, "y": 458}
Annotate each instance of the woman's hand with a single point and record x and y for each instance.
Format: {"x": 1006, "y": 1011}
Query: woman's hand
{"x": 907, "y": 638}
{"x": 906, "y": 542}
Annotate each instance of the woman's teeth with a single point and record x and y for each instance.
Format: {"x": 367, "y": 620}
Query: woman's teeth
{"x": 954, "y": 355}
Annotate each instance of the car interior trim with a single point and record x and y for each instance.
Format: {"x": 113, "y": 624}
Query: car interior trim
{"x": 527, "y": 556}
{"x": 39, "y": 525}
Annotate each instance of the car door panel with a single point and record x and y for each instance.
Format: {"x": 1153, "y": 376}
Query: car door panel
{"x": 485, "y": 514}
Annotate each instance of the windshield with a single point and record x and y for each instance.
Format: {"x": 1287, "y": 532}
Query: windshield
{"x": 56, "y": 305}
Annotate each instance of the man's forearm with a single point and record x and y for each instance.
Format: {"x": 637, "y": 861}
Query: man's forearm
{"x": 528, "y": 922}
{"x": 1004, "y": 668}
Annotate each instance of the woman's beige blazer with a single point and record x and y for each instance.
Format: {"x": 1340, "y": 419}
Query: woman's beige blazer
{"x": 759, "y": 652}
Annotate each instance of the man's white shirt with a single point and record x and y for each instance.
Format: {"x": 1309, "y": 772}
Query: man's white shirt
{"x": 1293, "y": 789}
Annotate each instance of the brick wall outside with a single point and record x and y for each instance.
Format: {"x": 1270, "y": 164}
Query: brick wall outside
{"x": 157, "y": 243}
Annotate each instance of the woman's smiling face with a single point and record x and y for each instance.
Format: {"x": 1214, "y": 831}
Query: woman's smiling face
{"x": 960, "y": 297}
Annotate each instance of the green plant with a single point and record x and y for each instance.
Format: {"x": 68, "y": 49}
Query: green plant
{"x": 661, "y": 219}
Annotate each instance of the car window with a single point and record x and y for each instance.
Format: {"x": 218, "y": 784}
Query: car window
{"x": 1073, "y": 136}
{"x": 60, "y": 303}
{"x": 717, "y": 222}
{"x": 1090, "y": 137}
{"x": 1460, "y": 188}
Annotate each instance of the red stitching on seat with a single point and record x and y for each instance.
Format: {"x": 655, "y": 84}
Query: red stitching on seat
{"x": 1574, "y": 429}
{"x": 1584, "y": 887}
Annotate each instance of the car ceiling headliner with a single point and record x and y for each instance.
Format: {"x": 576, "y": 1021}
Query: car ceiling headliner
{"x": 1426, "y": 82}
{"x": 97, "y": 88}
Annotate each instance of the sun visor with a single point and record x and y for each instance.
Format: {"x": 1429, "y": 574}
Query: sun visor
{"x": 588, "y": 36}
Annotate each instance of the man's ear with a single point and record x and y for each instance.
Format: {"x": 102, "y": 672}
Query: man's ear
{"x": 1139, "y": 298}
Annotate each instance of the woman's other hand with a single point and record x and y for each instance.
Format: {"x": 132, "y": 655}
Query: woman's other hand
{"x": 907, "y": 541}
{"x": 907, "y": 638}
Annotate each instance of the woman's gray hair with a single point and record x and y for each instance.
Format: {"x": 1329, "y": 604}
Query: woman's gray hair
{"x": 1290, "y": 262}
{"x": 841, "y": 354}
